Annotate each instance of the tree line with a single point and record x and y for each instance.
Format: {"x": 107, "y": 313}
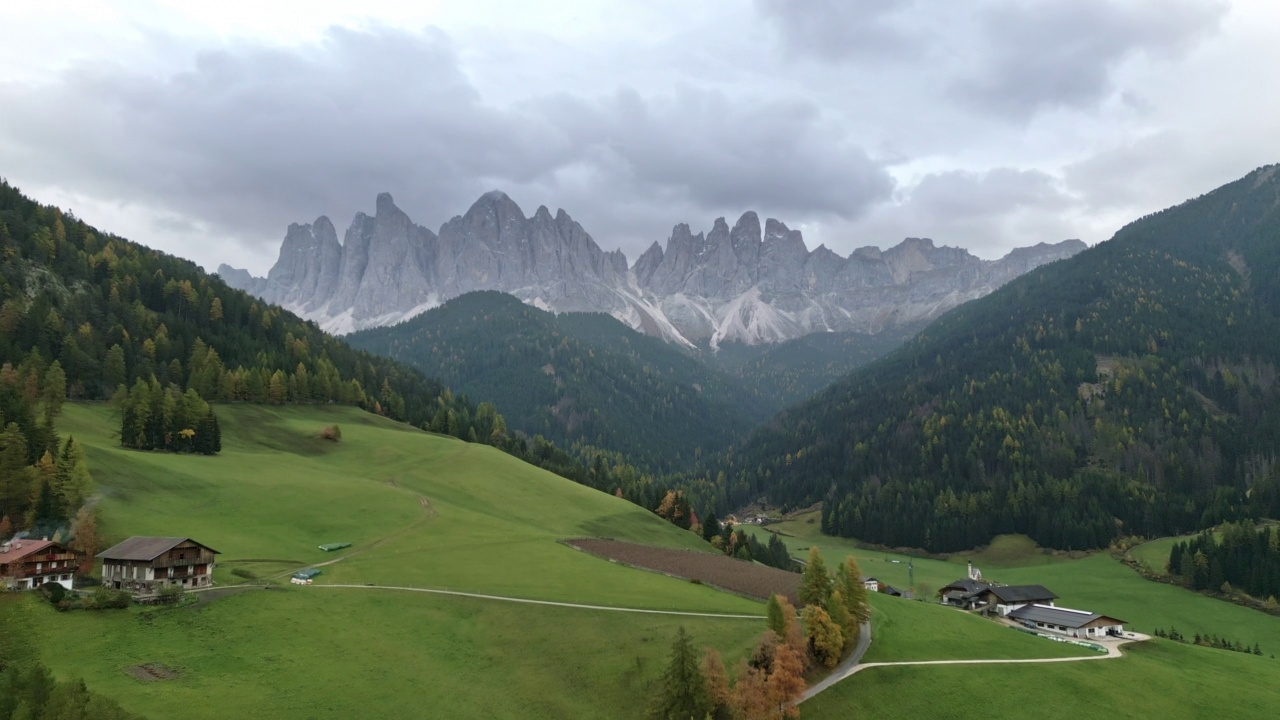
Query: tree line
{"x": 44, "y": 480}
{"x": 1238, "y": 556}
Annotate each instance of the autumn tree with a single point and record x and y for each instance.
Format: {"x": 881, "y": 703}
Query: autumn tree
{"x": 770, "y": 682}
{"x": 749, "y": 699}
{"x": 815, "y": 584}
{"x": 717, "y": 683}
{"x": 786, "y": 682}
{"x": 84, "y": 538}
{"x": 839, "y": 613}
{"x": 826, "y": 640}
{"x": 681, "y": 692}
{"x": 849, "y": 583}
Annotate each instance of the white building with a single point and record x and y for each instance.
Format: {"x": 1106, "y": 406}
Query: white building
{"x": 1072, "y": 623}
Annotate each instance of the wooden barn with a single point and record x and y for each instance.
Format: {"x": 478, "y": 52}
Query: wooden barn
{"x": 28, "y": 564}
{"x": 143, "y": 565}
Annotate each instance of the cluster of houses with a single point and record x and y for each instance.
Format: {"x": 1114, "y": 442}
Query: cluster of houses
{"x": 874, "y": 585}
{"x": 1032, "y": 606}
{"x": 140, "y": 565}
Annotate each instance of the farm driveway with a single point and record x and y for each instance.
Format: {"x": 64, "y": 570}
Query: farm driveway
{"x": 845, "y": 670}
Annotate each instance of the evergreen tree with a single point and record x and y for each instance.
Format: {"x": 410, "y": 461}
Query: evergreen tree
{"x": 777, "y": 621}
{"x": 815, "y": 584}
{"x": 839, "y": 613}
{"x": 681, "y": 692}
{"x": 852, "y": 589}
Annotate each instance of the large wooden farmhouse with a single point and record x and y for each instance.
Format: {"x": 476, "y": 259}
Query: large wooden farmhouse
{"x": 973, "y": 594}
{"x": 144, "y": 565}
{"x": 28, "y": 564}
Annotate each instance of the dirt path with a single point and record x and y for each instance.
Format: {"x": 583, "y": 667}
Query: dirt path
{"x": 846, "y": 669}
{"x": 428, "y": 513}
{"x": 552, "y": 603}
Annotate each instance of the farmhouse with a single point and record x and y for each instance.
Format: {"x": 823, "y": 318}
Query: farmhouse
{"x": 965, "y": 593}
{"x": 143, "y": 565}
{"x": 871, "y": 584}
{"x": 1007, "y": 598}
{"x": 1073, "y": 623}
{"x": 28, "y": 564}
{"x": 972, "y": 594}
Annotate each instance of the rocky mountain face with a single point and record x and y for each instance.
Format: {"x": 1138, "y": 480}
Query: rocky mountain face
{"x": 741, "y": 284}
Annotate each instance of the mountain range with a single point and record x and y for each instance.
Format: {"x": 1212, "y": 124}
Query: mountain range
{"x": 1130, "y": 390}
{"x": 746, "y": 284}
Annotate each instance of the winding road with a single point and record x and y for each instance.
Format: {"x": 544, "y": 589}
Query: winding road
{"x": 852, "y": 665}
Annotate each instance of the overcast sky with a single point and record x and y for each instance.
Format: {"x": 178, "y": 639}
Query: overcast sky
{"x": 204, "y": 129}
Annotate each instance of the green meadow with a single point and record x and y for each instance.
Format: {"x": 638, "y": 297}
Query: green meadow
{"x": 421, "y": 511}
{"x": 1096, "y": 582}
{"x": 903, "y": 629}
{"x": 1157, "y": 679}
{"x": 432, "y": 512}
{"x": 1153, "y": 679}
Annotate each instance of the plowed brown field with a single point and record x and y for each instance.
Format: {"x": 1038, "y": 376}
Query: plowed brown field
{"x": 739, "y": 576}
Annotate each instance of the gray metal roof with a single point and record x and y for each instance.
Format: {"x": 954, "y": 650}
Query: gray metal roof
{"x": 141, "y": 547}
{"x": 1059, "y": 616}
{"x": 968, "y": 586}
{"x": 1023, "y": 593}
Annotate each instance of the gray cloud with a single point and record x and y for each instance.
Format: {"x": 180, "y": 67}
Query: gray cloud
{"x": 838, "y": 30}
{"x": 989, "y": 212}
{"x": 1008, "y": 56}
{"x": 251, "y": 138}
{"x": 1064, "y": 53}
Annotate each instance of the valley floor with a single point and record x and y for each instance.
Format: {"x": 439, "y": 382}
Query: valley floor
{"x": 417, "y": 616}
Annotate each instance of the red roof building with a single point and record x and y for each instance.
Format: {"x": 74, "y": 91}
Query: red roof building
{"x": 28, "y": 564}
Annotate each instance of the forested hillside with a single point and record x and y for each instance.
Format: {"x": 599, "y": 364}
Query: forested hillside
{"x": 89, "y": 315}
{"x": 1130, "y": 389}
{"x": 579, "y": 379}
{"x": 781, "y": 375}
{"x": 113, "y": 312}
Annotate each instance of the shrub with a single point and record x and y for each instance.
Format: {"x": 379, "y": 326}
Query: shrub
{"x": 54, "y": 591}
{"x": 106, "y": 599}
{"x": 170, "y": 594}
{"x": 331, "y": 432}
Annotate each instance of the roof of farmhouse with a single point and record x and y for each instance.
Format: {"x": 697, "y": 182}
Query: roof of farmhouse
{"x": 1022, "y": 593}
{"x": 140, "y": 547}
{"x": 1066, "y": 617}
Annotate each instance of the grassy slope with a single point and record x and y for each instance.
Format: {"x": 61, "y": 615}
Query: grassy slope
{"x": 1155, "y": 553}
{"x": 906, "y": 630}
{"x": 1096, "y": 582}
{"x": 277, "y": 491}
{"x": 1157, "y": 679}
